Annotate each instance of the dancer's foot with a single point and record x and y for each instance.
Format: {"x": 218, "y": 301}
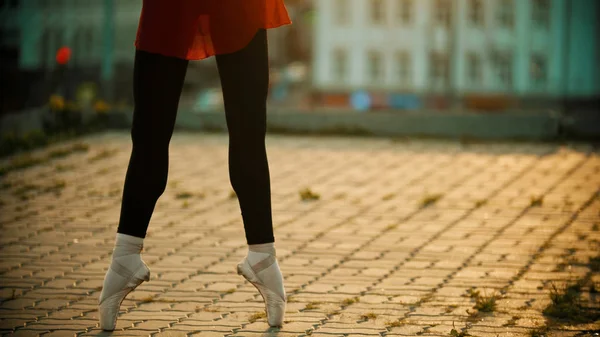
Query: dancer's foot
{"x": 260, "y": 268}
{"x": 127, "y": 271}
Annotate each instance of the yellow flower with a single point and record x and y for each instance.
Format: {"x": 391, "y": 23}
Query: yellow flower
{"x": 101, "y": 107}
{"x": 57, "y": 102}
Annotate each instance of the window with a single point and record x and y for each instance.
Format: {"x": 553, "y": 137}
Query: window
{"x": 375, "y": 66}
{"x": 539, "y": 69}
{"x": 442, "y": 12}
{"x": 340, "y": 64}
{"x": 438, "y": 68}
{"x": 506, "y": 13}
{"x": 474, "y": 71}
{"x": 476, "y": 12}
{"x": 405, "y": 11}
{"x": 377, "y": 11}
{"x": 342, "y": 12}
{"x": 503, "y": 64}
{"x": 541, "y": 13}
{"x": 403, "y": 67}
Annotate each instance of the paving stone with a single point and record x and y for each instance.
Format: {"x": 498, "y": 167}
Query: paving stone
{"x": 367, "y": 246}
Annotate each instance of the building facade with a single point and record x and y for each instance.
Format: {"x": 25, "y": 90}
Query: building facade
{"x": 101, "y": 35}
{"x": 459, "y": 47}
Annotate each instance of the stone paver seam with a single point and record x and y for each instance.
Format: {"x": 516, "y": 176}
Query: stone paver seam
{"x": 91, "y": 293}
{"x": 504, "y": 289}
{"x": 341, "y": 222}
{"x": 415, "y": 251}
{"x": 520, "y": 215}
{"x": 546, "y": 243}
{"x": 364, "y": 210}
{"x": 225, "y": 256}
{"x": 451, "y": 275}
{"x": 108, "y": 253}
{"x": 50, "y": 253}
{"x": 346, "y": 258}
{"x": 33, "y": 213}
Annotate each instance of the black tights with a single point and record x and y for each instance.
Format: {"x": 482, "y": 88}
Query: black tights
{"x": 158, "y": 81}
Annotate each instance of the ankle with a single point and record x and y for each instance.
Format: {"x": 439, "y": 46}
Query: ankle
{"x": 127, "y": 245}
{"x": 266, "y": 248}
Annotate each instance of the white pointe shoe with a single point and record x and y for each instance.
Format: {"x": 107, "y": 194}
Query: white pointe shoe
{"x": 274, "y": 303}
{"x": 109, "y": 306}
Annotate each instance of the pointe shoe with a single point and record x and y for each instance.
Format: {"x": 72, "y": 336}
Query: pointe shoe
{"x": 109, "y": 307}
{"x": 274, "y": 303}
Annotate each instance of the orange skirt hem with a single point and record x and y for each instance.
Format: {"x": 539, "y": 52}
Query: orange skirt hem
{"x": 196, "y": 30}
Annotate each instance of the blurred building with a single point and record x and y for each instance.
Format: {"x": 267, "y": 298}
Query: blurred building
{"x": 101, "y": 35}
{"x": 459, "y": 48}
{"x": 40, "y": 27}
{"x": 13, "y": 94}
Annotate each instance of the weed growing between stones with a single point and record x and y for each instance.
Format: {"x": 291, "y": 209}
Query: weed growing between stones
{"x": 567, "y": 304}
{"x": 429, "y": 200}
{"x": 312, "y": 305}
{"x": 308, "y": 195}
{"x": 256, "y": 316}
{"x": 368, "y": 316}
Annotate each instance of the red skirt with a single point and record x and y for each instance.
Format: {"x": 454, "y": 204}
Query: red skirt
{"x": 197, "y": 29}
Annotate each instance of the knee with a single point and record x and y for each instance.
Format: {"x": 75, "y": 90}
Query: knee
{"x": 149, "y": 138}
{"x": 250, "y": 131}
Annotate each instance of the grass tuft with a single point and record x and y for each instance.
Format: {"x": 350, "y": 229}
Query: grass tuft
{"x": 486, "y": 303}
{"x": 512, "y": 321}
{"x": 368, "y": 316}
{"x": 148, "y": 299}
{"x": 349, "y": 301}
{"x": 536, "y": 201}
{"x": 211, "y": 309}
{"x": 395, "y": 324}
{"x": 256, "y": 316}
{"x": 391, "y": 227}
{"x": 450, "y": 308}
{"x": 472, "y": 293}
{"x": 183, "y": 195}
{"x": 389, "y": 196}
{"x": 567, "y": 304}
{"x": 312, "y": 305}
{"x": 430, "y": 200}
{"x": 480, "y": 202}
{"x": 308, "y": 195}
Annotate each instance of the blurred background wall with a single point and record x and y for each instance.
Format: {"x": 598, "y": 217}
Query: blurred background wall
{"x": 401, "y": 54}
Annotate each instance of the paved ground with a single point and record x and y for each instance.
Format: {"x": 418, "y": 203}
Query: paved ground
{"x": 365, "y": 259}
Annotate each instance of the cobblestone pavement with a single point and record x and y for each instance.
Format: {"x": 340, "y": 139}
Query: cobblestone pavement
{"x": 407, "y": 238}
